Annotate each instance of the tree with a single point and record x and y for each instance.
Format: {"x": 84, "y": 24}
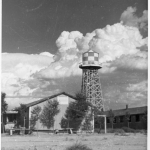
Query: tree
{"x": 64, "y": 122}
{"x": 99, "y": 122}
{"x": 79, "y": 113}
{"x": 76, "y": 111}
{"x": 111, "y": 117}
{"x": 21, "y": 115}
{"x": 4, "y": 107}
{"x": 127, "y": 117}
{"x": 35, "y": 113}
{"x": 87, "y": 123}
{"x": 78, "y": 108}
{"x": 49, "y": 111}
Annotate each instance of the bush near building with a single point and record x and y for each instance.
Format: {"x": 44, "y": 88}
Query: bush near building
{"x": 49, "y": 111}
{"x": 4, "y": 107}
{"x": 75, "y": 112}
{"x": 78, "y": 146}
{"x": 21, "y": 117}
{"x": 35, "y": 114}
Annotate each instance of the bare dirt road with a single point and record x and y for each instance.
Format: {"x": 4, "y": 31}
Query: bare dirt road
{"x": 45, "y": 141}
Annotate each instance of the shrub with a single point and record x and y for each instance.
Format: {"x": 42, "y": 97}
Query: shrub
{"x": 124, "y": 134}
{"x": 119, "y": 131}
{"x": 21, "y": 115}
{"x": 78, "y": 146}
{"x": 129, "y": 130}
{"x": 34, "y": 116}
{"x": 50, "y": 110}
{"x": 141, "y": 131}
{"x": 75, "y": 111}
{"x": 110, "y": 130}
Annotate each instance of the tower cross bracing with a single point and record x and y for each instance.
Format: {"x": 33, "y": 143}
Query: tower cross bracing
{"x": 91, "y": 87}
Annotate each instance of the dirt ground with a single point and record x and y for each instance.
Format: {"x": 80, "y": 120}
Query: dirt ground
{"x": 45, "y": 141}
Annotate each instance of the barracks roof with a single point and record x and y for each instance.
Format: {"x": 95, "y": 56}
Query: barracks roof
{"x": 132, "y": 111}
{"x": 48, "y": 98}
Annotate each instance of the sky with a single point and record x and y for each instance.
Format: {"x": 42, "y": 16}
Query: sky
{"x": 43, "y": 41}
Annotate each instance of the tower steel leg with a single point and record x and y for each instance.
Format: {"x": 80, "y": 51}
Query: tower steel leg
{"x": 91, "y": 88}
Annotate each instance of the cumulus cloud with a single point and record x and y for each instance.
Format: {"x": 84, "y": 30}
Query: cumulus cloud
{"x": 14, "y": 102}
{"x": 83, "y": 42}
{"x": 47, "y": 54}
{"x": 10, "y": 60}
{"x": 17, "y": 68}
{"x": 135, "y": 61}
{"x": 139, "y": 87}
{"x": 60, "y": 69}
{"x": 107, "y": 68}
{"x": 110, "y": 42}
{"x": 66, "y": 40}
{"x": 118, "y": 46}
{"x": 67, "y": 47}
{"x": 129, "y": 18}
{"x": 117, "y": 43}
{"x": 113, "y": 41}
{"x": 137, "y": 92}
{"x": 134, "y": 94}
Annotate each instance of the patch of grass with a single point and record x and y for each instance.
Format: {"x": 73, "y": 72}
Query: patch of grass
{"x": 78, "y": 146}
{"x": 119, "y": 131}
{"x": 110, "y": 130}
{"x": 129, "y": 130}
{"x": 141, "y": 131}
{"x": 84, "y": 140}
{"x": 124, "y": 134}
{"x": 71, "y": 139}
{"x": 104, "y": 139}
{"x": 121, "y": 134}
{"x": 66, "y": 139}
{"x": 123, "y": 130}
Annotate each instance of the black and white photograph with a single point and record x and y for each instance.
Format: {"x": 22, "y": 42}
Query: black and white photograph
{"x": 74, "y": 75}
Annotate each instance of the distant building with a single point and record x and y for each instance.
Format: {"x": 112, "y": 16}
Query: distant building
{"x": 63, "y": 98}
{"x": 9, "y": 118}
{"x": 135, "y": 120}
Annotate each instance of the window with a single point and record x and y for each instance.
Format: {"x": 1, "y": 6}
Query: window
{"x": 130, "y": 119}
{"x": 121, "y": 118}
{"x": 108, "y": 121}
{"x": 118, "y": 119}
{"x": 137, "y": 118}
{"x": 114, "y": 120}
{"x": 97, "y": 124}
{"x": 133, "y": 118}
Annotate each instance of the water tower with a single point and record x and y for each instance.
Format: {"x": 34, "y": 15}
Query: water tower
{"x": 91, "y": 86}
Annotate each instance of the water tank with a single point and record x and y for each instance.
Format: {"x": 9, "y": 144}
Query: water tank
{"x": 90, "y": 58}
